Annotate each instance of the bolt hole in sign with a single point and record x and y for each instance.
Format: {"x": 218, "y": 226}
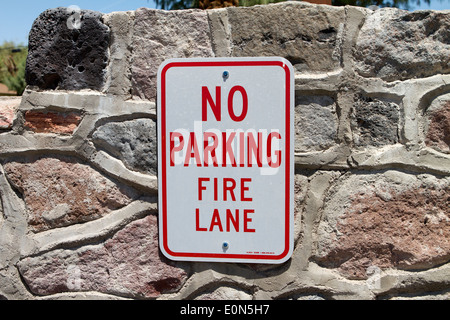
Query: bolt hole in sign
{"x": 226, "y": 159}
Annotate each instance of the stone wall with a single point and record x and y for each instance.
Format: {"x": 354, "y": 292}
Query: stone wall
{"x": 78, "y": 185}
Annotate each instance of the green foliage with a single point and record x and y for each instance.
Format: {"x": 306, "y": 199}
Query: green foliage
{"x": 173, "y": 4}
{"x": 12, "y": 66}
{"x": 249, "y": 3}
{"x": 17, "y": 82}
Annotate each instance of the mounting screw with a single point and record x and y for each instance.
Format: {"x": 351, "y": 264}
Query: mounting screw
{"x": 225, "y": 245}
{"x": 226, "y": 74}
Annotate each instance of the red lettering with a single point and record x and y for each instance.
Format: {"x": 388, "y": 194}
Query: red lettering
{"x": 216, "y": 221}
{"x": 245, "y": 188}
{"x": 215, "y": 106}
{"x": 227, "y": 149}
{"x": 210, "y": 149}
{"x": 247, "y": 150}
{"x": 269, "y": 150}
{"x": 226, "y": 188}
{"x": 216, "y": 190}
{"x": 254, "y": 149}
{"x": 197, "y": 221}
{"x": 247, "y": 220}
{"x": 233, "y": 219}
{"x": 244, "y": 103}
{"x": 192, "y": 151}
{"x": 174, "y": 149}
{"x": 201, "y": 187}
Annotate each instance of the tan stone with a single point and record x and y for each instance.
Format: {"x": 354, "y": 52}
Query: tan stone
{"x": 62, "y": 191}
{"x": 160, "y": 35}
{"x": 307, "y": 35}
{"x": 8, "y": 109}
{"x": 385, "y": 220}
{"x": 128, "y": 265}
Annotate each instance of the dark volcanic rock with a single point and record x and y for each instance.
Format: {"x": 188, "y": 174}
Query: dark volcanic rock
{"x": 68, "y": 50}
{"x": 375, "y": 122}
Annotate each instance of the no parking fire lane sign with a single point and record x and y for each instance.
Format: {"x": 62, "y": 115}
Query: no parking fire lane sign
{"x": 226, "y": 159}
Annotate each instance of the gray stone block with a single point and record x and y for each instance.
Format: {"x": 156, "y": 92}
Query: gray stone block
{"x": 68, "y": 50}
{"x": 316, "y": 123}
{"x": 134, "y": 142}
{"x": 398, "y": 45}
{"x": 309, "y": 36}
{"x": 119, "y": 78}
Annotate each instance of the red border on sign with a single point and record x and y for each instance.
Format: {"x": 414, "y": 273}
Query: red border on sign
{"x": 164, "y": 158}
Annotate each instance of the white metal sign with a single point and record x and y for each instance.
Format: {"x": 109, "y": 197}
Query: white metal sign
{"x": 226, "y": 159}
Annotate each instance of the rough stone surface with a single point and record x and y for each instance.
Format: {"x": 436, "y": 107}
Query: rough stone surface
{"x": 440, "y": 296}
{"x": 129, "y": 264}
{"x": 316, "y": 123}
{"x": 52, "y": 122}
{"x": 300, "y": 191}
{"x": 397, "y": 45}
{"x": 8, "y": 107}
{"x": 225, "y": 293}
{"x": 160, "y": 35}
{"x": 78, "y": 209}
{"x": 121, "y": 26}
{"x": 134, "y": 142}
{"x": 438, "y": 135}
{"x": 375, "y": 122}
{"x": 1, "y": 209}
{"x": 62, "y": 191}
{"x": 385, "y": 220}
{"x": 311, "y": 43}
{"x": 68, "y": 50}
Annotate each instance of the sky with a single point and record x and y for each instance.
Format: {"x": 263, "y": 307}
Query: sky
{"x": 17, "y": 16}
